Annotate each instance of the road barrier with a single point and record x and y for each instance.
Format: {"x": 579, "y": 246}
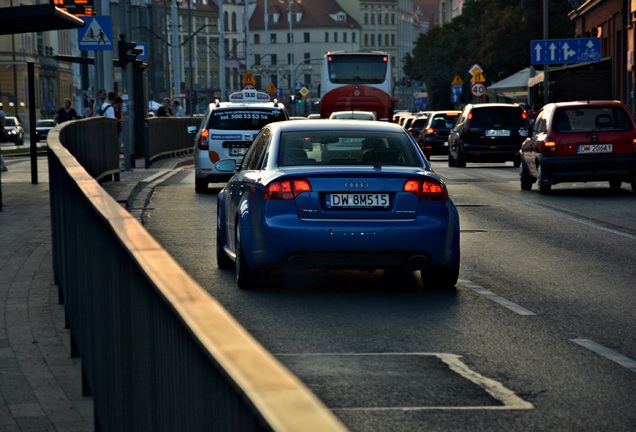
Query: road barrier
{"x": 158, "y": 352}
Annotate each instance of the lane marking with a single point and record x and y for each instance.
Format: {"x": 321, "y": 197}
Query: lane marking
{"x": 520, "y": 310}
{"x": 608, "y": 353}
{"x": 497, "y": 390}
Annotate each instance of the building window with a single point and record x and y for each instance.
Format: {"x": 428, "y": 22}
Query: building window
{"x": 366, "y": 40}
{"x": 335, "y": 36}
{"x": 344, "y": 37}
{"x": 306, "y": 37}
{"x": 366, "y": 18}
{"x": 274, "y": 59}
{"x": 233, "y": 21}
{"x": 326, "y": 36}
{"x": 353, "y": 37}
{"x": 257, "y": 39}
{"x": 272, "y": 38}
{"x": 257, "y": 59}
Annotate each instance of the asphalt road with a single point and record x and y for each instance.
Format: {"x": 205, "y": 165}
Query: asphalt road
{"x": 538, "y": 335}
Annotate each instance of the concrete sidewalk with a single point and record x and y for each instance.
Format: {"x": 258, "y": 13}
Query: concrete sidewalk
{"x": 40, "y": 384}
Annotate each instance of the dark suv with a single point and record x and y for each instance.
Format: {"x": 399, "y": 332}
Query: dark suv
{"x": 580, "y": 142}
{"x": 434, "y": 137}
{"x": 489, "y": 132}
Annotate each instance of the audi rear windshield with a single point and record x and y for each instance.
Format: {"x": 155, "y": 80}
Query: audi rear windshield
{"x": 244, "y": 118}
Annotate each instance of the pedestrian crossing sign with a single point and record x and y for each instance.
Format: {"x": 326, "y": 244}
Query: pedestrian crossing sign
{"x": 97, "y": 33}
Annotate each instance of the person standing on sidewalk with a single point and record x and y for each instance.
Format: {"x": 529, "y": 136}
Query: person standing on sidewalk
{"x": 108, "y": 109}
{"x": 165, "y": 110}
{"x": 177, "y": 110}
{"x": 66, "y": 113}
{"x": 118, "y": 104}
{"x": 89, "y": 111}
{"x": 99, "y": 102}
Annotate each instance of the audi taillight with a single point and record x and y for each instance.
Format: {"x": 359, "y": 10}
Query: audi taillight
{"x": 286, "y": 189}
{"x": 203, "y": 143}
{"x": 426, "y": 190}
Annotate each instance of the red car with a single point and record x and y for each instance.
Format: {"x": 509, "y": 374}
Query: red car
{"x": 580, "y": 142}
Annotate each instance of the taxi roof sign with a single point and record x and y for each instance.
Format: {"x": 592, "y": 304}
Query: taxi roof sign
{"x": 249, "y": 96}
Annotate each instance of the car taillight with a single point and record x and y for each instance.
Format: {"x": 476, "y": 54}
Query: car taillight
{"x": 468, "y": 119}
{"x": 203, "y": 143}
{"x": 549, "y": 147}
{"x": 426, "y": 190}
{"x": 286, "y": 189}
{"x": 634, "y": 145}
{"x": 430, "y": 130}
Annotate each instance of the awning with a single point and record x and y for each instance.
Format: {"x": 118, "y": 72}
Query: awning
{"x": 37, "y": 18}
{"x": 538, "y": 78}
{"x": 515, "y": 86}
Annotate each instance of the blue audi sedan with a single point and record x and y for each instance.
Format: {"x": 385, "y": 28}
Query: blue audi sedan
{"x": 336, "y": 194}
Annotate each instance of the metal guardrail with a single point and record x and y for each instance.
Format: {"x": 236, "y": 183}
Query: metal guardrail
{"x": 158, "y": 352}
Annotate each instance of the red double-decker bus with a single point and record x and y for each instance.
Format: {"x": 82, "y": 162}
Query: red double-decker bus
{"x": 357, "y": 82}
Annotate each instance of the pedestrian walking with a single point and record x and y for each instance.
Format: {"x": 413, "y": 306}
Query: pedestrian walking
{"x": 66, "y": 113}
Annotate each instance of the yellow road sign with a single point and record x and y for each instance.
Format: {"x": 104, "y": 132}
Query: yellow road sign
{"x": 271, "y": 89}
{"x": 248, "y": 78}
{"x": 457, "y": 80}
{"x": 478, "y": 77}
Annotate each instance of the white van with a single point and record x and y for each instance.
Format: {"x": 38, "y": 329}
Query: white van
{"x": 227, "y": 131}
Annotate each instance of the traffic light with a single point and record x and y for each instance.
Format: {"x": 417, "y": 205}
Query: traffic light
{"x": 127, "y": 51}
{"x": 299, "y": 98}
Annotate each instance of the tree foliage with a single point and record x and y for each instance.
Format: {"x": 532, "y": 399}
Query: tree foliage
{"x": 495, "y": 34}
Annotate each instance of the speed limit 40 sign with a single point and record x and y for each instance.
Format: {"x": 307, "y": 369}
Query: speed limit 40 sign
{"x": 477, "y": 89}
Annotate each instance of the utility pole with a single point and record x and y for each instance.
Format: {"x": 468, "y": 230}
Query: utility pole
{"x": 546, "y": 68}
{"x": 127, "y": 80}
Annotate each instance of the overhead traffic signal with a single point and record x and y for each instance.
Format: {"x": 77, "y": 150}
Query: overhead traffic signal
{"x": 299, "y": 98}
{"x": 128, "y": 51}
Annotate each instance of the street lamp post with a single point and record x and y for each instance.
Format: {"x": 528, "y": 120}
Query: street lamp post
{"x": 176, "y": 66}
{"x": 291, "y": 48}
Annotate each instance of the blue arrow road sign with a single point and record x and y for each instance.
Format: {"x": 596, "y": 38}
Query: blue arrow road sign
{"x": 576, "y": 50}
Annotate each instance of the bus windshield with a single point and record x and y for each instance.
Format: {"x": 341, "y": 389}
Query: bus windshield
{"x": 357, "y": 69}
